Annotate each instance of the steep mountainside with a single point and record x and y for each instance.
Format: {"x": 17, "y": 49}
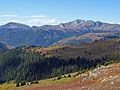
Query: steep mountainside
{"x": 15, "y": 34}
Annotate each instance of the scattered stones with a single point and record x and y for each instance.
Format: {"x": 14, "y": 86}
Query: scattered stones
{"x": 104, "y": 80}
{"x": 112, "y": 82}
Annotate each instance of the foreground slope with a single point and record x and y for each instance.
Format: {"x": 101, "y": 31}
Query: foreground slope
{"x": 101, "y": 78}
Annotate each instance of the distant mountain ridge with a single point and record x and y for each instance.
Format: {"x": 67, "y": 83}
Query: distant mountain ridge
{"x": 16, "y": 34}
{"x": 82, "y": 24}
{"x": 15, "y": 25}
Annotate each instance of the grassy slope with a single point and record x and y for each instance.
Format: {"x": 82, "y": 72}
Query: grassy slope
{"x": 12, "y": 86}
{"x": 95, "y": 81}
{"x": 8, "y": 86}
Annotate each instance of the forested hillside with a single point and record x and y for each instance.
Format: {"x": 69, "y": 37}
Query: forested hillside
{"x": 29, "y": 63}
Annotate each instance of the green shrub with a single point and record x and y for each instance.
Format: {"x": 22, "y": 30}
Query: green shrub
{"x": 23, "y": 83}
{"x": 69, "y": 75}
{"x": 31, "y": 82}
{"x": 64, "y": 76}
{"x": 58, "y": 78}
{"x": 17, "y": 84}
{"x": 35, "y": 82}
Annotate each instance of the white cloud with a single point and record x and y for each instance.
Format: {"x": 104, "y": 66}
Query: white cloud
{"x": 34, "y": 20}
{"x": 37, "y": 16}
{"x": 14, "y": 21}
{"x": 113, "y": 22}
{"x": 9, "y": 15}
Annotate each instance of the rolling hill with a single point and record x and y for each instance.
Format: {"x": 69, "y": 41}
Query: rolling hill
{"x": 98, "y": 49}
{"x": 31, "y": 63}
{"x": 88, "y": 38}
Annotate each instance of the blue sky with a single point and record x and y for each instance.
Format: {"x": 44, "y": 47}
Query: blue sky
{"x": 40, "y": 12}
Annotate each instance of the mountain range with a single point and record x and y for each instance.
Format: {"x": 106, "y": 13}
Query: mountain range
{"x": 16, "y": 34}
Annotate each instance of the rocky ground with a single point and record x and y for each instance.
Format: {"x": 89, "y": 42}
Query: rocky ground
{"x": 102, "y": 78}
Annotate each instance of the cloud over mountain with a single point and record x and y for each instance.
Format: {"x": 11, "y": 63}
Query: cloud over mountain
{"x": 34, "y": 20}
